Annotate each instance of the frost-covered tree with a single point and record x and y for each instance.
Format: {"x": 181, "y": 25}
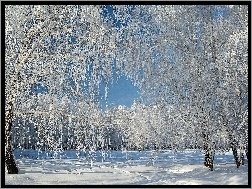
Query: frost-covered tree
{"x": 234, "y": 80}
{"x": 188, "y": 70}
{"x": 190, "y": 63}
{"x": 51, "y": 46}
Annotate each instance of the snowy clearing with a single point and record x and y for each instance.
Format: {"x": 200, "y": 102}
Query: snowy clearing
{"x": 131, "y": 168}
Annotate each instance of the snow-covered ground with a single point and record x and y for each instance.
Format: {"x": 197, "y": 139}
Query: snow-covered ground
{"x": 131, "y": 168}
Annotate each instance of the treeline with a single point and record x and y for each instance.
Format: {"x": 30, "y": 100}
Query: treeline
{"x": 139, "y": 127}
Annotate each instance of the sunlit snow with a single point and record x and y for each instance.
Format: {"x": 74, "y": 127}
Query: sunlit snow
{"x": 170, "y": 168}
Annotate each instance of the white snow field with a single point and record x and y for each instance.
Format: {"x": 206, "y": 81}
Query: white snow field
{"x": 121, "y": 168}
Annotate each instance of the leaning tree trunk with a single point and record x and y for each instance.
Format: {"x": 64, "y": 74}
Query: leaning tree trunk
{"x": 234, "y": 145}
{"x": 9, "y": 157}
{"x": 236, "y": 157}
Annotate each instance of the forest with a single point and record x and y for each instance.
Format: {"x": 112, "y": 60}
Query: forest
{"x": 189, "y": 62}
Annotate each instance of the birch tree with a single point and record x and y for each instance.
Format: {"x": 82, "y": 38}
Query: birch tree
{"x": 42, "y": 44}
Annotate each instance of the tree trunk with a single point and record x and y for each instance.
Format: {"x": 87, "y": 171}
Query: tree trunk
{"x": 208, "y": 156}
{"x": 242, "y": 154}
{"x": 247, "y": 152}
{"x": 242, "y": 158}
{"x": 234, "y": 145}
{"x": 9, "y": 157}
{"x": 236, "y": 156}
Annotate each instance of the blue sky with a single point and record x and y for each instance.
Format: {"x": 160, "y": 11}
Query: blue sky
{"x": 120, "y": 92}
